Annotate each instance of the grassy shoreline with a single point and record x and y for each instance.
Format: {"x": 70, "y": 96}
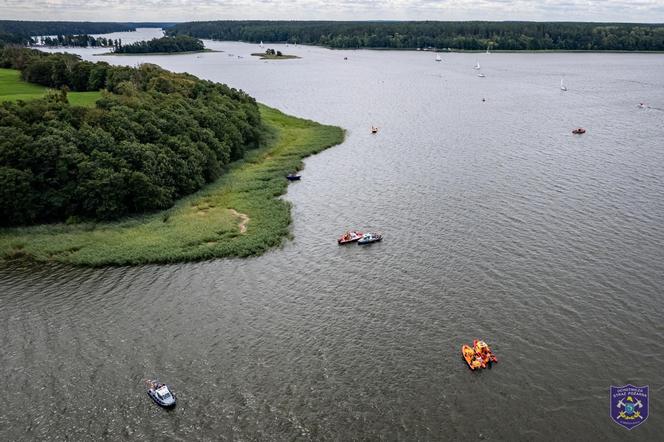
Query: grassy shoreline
{"x": 237, "y": 216}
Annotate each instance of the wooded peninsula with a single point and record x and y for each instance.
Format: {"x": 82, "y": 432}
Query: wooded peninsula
{"x": 150, "y": 167}
{"x": 152, "y": 137}
{"x": 475, "y": 35}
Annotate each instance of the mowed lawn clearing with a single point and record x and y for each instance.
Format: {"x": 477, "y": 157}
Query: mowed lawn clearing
{"x": 13, "y": 88}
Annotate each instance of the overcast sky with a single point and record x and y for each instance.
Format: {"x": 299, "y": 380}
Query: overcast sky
{"x": 648, "y": 11}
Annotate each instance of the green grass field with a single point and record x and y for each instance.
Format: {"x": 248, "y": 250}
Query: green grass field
{"x": 205, "y": 225}
{"x": 13, "y": 88}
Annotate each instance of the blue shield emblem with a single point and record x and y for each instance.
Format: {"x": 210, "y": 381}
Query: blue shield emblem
{"x": 629, "y": 405}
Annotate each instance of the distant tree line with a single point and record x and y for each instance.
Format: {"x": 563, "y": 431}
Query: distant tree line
{"x": 153, "y": 137}
{"x": 22, "y": 32}
{"x": 179, "y": 43}
{"x": 454, "y": 35}
{"x": 80, "y": 40}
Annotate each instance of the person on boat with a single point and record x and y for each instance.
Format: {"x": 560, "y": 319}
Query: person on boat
{"x": 483, "y": 351}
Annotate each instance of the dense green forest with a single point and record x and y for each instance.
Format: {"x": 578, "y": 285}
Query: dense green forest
{"x": 440, "y": 35}
{"x": 179, "y": 43}
{"x": 153, "y": 137}
{"x": 80, "y": 40}
{"x": 20, "y": 32}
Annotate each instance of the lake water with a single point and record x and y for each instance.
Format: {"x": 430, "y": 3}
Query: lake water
{"x": 498, "y": 224}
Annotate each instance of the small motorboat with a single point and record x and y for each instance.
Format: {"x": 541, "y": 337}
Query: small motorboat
{"x": 579, "y": 131}
{"x": 293, "y": 177}
{"x": 350, "y": 236}
{"x": 483, "y": 351}
{"x": 369, "y": 238}
{"x": 160, "y": 394}
{"x": 374, "y": 130}
{"x": 474, "y": 362}
{"x": 481, "y": 75}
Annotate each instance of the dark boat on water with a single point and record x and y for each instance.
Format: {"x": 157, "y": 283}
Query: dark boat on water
{"x": 293, "y": 177}
{"x": 579, "y": 131}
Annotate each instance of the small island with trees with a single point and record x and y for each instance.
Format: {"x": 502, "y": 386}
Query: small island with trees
{"x": 79, "y": 40}
{"x": 271, "y": 54}
{"x": 181, "y": 44}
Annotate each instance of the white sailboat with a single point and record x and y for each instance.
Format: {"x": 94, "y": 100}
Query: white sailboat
{"x": 487, "y": 50}
{"x": 477, "y": 66}
{"x": 438, "y": 58}
{"x": 261, "y": 45}
{"x": 562, "y": 85}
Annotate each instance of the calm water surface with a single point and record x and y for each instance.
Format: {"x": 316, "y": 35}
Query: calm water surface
{"x": 498, "y": 224}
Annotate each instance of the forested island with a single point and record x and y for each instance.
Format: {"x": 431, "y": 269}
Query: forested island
{"x": 163, "y": 45}
{"x": 80, "y": 40}
{"x": 474, "y": 35}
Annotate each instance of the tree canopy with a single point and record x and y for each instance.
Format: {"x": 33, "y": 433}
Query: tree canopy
{"x": 153, "y": 137}
{"x": 80, "y": 40}
{"x": 441, "y": 35}
{"x": 22, "y": 32}
{"x": 179, "y": 43}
